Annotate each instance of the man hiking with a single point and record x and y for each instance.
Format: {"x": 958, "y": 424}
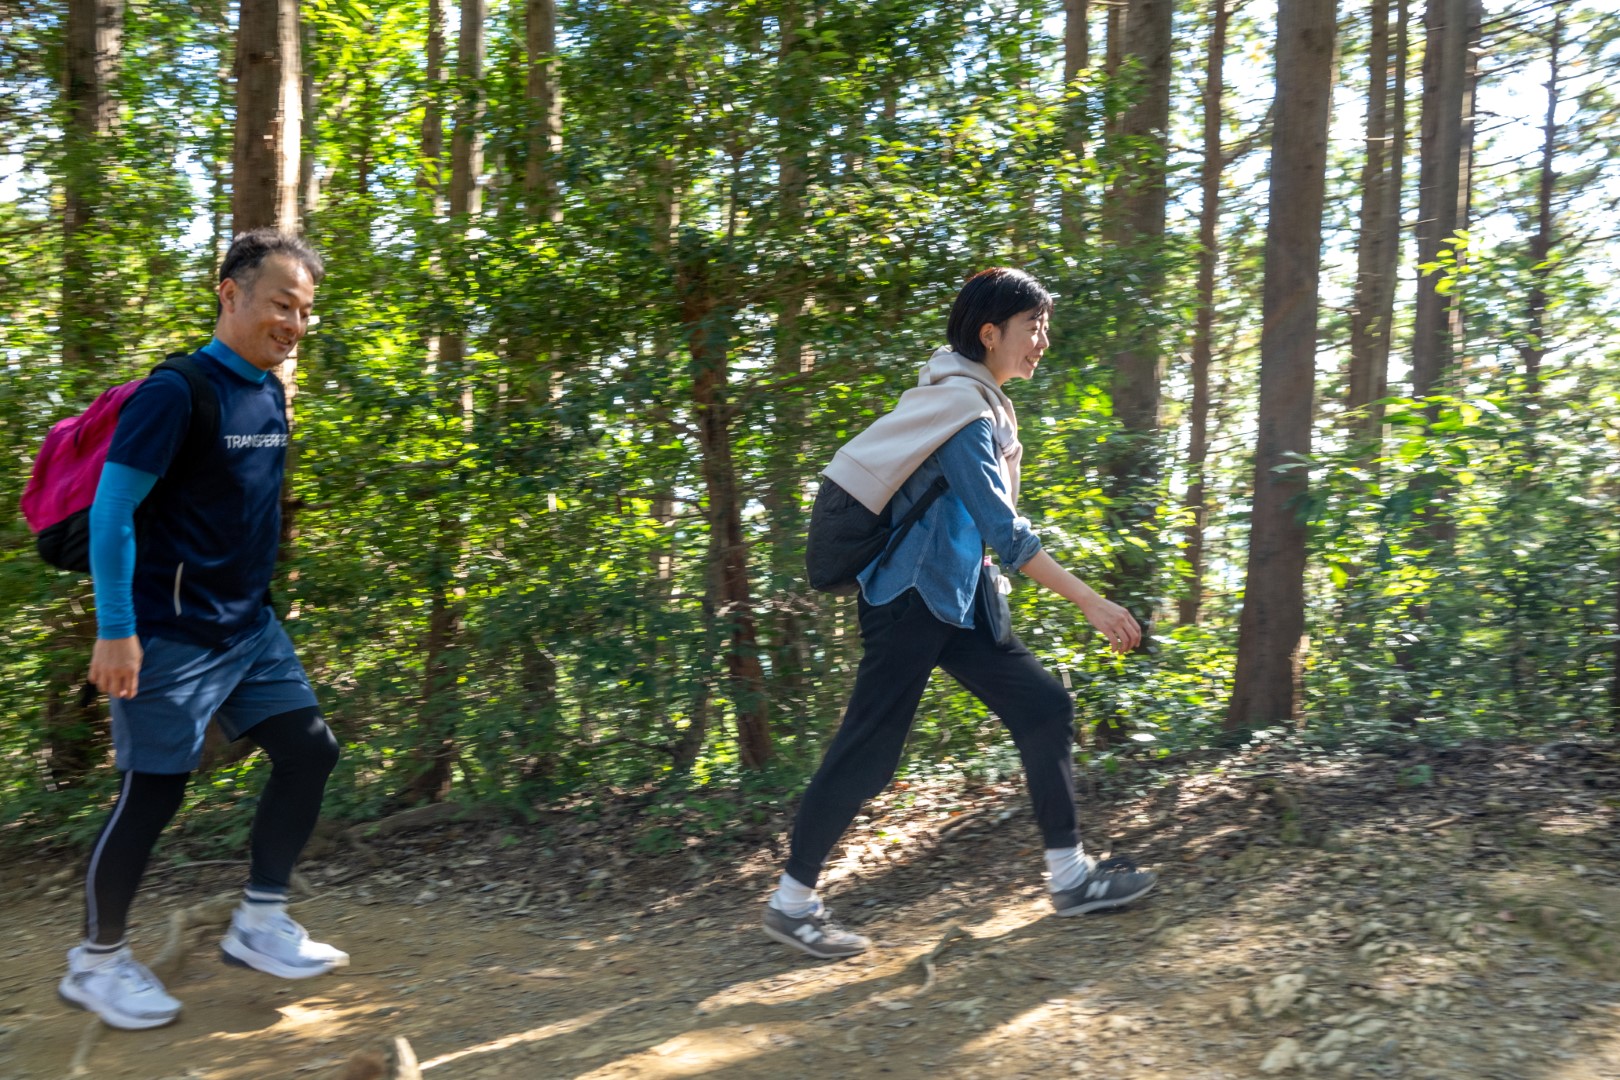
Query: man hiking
{"x": 185, "y": 632}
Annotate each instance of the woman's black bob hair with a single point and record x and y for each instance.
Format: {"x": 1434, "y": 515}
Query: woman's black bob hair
{"x": 992, "y": 296}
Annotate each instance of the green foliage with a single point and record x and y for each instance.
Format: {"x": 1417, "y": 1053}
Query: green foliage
{"x": 521, "y": 551}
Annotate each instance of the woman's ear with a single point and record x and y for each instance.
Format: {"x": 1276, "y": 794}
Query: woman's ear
{"x": 988, "y": 335}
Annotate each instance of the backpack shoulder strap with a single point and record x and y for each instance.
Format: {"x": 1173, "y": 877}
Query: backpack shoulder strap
{"x": 204, "y": 429}
{"x": 913, "y": 515}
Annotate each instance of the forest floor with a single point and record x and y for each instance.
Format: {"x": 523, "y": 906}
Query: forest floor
{"x": 1434, "y": 914}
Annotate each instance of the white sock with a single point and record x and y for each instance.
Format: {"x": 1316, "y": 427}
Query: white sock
{"x": 1066, "y": 867}
{"x": 92, "y": 955}
{"x": 259, "y": 913}
{"x": 793, "y": 898}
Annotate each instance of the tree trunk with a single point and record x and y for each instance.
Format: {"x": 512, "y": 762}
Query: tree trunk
{"x": 688, "y": 743}
{"x": 707, "y": 339}
{"x": 435, "y": 76}
{"x": 269, "y": 115}
{"x": 1378, "y": 245}
{"x": 1136, "y": 221}
{"x": 265, "y": 165}
{"x": 440, "y": 711}
{"x": 1076, "y": 58}
{"x": 309, "y": 181}
{"x": 73, "y": 725}
{"x": 1114, "y": 46}
{"x": 1266, "y": 688}
{"x": 1440, "y": 186}
{"x": 1204, "y": 324}
{"x": 785, "y": 490}
{"x": 1535, "y": 346}
{"x": 94, "y": 38}
{"x": 1443, "y": 192}
{"x": 467, "y": 146}
{"x": 545, "y": 111}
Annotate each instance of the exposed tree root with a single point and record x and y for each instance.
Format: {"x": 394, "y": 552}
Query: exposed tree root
{"x": 952, "y": 933}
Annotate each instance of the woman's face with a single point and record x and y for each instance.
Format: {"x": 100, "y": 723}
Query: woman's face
{"x": 1013, "y": 349}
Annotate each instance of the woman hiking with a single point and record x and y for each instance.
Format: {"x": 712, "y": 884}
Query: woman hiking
{"x": 932, "y": 602}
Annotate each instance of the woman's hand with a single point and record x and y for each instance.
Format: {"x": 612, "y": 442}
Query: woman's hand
{"x": 1113, "y": 622}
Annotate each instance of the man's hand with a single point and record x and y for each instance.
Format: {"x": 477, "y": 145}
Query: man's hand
{"x": 1116, "y": 624}
{"x": 115, "y": 666}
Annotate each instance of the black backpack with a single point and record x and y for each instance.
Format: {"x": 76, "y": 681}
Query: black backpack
{"x": 845, "y": 536}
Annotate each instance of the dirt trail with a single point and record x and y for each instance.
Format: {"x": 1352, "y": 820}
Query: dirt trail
{"x": 1451, "y": 915}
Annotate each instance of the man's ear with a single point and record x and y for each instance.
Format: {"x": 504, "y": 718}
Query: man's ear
{"x": 229, "y": 293}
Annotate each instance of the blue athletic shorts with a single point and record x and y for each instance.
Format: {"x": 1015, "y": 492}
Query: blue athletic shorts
{"x": 183, "y": 686}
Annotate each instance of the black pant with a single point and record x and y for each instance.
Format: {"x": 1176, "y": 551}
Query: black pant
{"x": 904, "y": 642}
{"x": 302, "y": 753}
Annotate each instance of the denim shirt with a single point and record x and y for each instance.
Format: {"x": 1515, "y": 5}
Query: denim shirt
{"x": 941, "y": 554}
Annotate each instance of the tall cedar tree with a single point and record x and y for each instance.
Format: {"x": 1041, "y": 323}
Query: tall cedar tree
{"x": 1265, "y": 684}
{"x": 1378, "y": 237}
{"x": 94, "y": 39}
{"x": 436, "y": 755}
{"x": 1209, "y": 214}
{"x": 1136, "y": 220}
{"x": 1076, "y": 58}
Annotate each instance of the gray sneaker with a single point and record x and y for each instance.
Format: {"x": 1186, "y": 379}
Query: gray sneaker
{"x": 814, "y": 933}
{"x": 1110, "y": 883}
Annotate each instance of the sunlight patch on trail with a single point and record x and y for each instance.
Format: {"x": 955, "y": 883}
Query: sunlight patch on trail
{"x": 318, "y": 1019}
{"x": 787, "y": 986}
{"x": 1043, "y": 1017}
{"x": 533, "y": 1035}
{"x": 697, "y": 1053}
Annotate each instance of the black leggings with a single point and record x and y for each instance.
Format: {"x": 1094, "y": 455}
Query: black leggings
{"x": 904, "y": 642}
{"x": 302, "y": 754}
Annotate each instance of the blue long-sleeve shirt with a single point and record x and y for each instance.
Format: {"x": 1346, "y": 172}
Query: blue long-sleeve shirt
{"x": 112, "y": 546}
{"x": 941, "y": 554}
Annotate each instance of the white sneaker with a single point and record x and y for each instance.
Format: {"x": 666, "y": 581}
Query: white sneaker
{"x": 118, "y": 988}
{"x": 279, "y": 947}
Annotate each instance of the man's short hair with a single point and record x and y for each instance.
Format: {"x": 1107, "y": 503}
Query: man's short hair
{"x": 992, "y": 296}
{"x": 249, "y": 250}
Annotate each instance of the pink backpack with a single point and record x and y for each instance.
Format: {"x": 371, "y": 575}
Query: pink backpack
{"x": 56, "y": 502}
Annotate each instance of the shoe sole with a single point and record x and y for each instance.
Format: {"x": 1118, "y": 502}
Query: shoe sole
{"x": 798, "y": 943}
{"x": 1106, "y": 904}
{"x": 114, "y": 1019}
{"x": 236, "y": 954}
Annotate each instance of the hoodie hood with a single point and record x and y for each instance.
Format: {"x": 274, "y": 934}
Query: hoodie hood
{"x": 951, "y": 393}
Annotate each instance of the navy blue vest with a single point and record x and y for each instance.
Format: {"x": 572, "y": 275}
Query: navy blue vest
{"x": 208, "y": 534}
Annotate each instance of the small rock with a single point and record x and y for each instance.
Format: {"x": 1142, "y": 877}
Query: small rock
{"x": 1282, "y": 993}
{"x": 1368, "y": 1028}
{"x": 1285, "y": 1055}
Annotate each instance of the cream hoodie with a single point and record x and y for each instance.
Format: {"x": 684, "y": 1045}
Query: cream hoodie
{"x": 951, "y": 393}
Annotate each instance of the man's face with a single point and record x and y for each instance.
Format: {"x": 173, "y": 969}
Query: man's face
{"x": 265, "y": 321}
